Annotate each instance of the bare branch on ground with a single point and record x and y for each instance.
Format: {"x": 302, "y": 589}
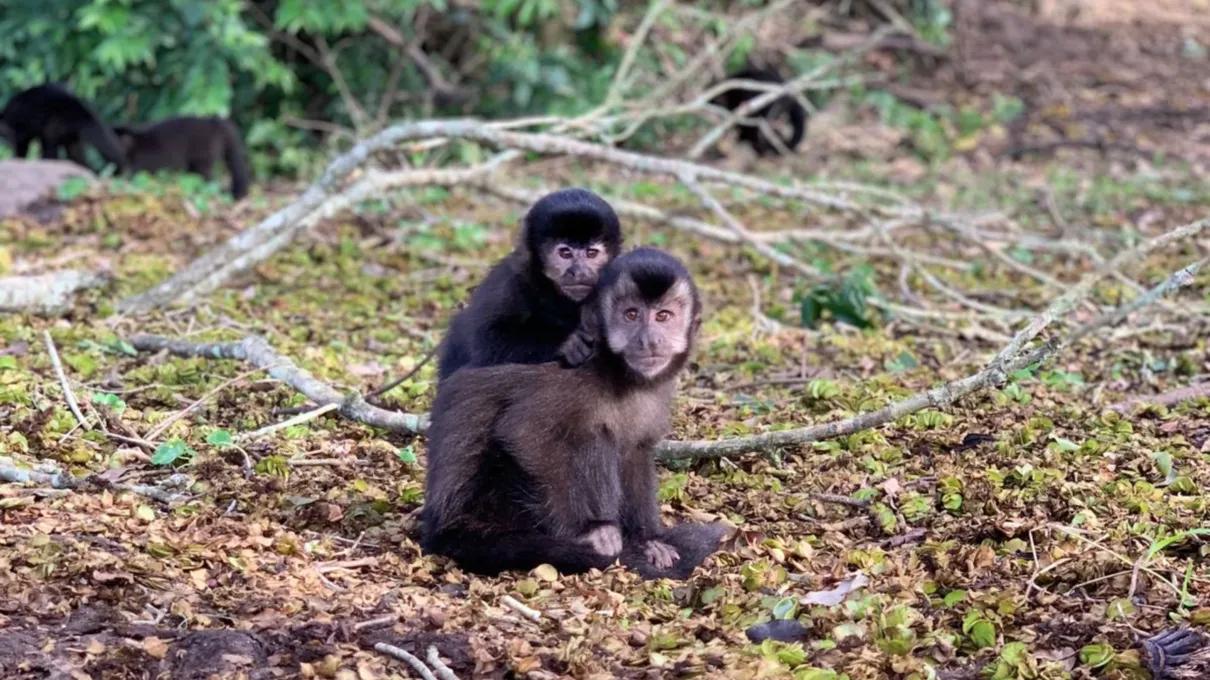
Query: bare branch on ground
{"x": 256, "y": 351}
{"x": 47, "y": 294}
{"x": 995, "y": 374}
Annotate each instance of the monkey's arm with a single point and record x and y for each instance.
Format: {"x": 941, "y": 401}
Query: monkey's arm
{"x": 579, "y": 346}
{"x": 641, "y": 515}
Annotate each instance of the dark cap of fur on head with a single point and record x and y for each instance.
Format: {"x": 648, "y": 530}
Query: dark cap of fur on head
{"x": 574, "y": 215}
{"x": 653, "y": 271}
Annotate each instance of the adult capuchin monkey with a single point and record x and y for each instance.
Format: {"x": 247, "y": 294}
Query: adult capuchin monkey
{"x": 60, "y": 121}
{"x": 527, "y": 310}
{"x": 533, "y": 464}
{"x": 784, "y": 107}
{"x": 188, "y": 144}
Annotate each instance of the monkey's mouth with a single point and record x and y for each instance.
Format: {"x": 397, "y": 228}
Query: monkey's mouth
{"x": 648, "y": 365}
{"x": 576, "y": 291}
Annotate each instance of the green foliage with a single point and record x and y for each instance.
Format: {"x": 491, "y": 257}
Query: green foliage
{"x": 169, "y": 452}
{"x": 844, "y": 300}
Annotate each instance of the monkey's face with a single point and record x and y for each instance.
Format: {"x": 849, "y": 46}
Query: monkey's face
{"x": 574, "y": 267}
{"x": 649, "y": 329}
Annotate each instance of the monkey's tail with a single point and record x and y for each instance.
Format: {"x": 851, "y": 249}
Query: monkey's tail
{"x": 237, "y": 162}
{"x": 488, "y": 554}
{"x": 102, "y": 138}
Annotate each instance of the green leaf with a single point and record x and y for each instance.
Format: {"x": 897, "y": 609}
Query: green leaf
{"x": 110, "y": 401}
{"x": 1096, "y": 656}
{"x": 785, "y": 608}
{"x": 407, "y": 455}
{"x": 220, "y": 438}
{"x": 983, "y": 634}
{"x": 167, "y": 453}
{"x": 953, "y": 597}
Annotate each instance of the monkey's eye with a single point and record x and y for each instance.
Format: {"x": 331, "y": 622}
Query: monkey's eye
{"x": 565, "y": 252}
{"x": 592, "y": 253}
{"x": 632, "y": 314}
{"x": 663, "y": 315}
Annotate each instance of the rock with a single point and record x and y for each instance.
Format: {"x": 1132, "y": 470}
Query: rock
{"x": 24, "y": 182}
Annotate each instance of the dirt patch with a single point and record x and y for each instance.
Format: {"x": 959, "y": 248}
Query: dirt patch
{"x": 1137, "y": 84}
{"x": 222, "y": 652}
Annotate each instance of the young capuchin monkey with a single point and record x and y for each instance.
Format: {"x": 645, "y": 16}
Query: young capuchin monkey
{"x": 785, "y": 106}
{"x": 187, "y": 144}
{"x": 527, "y": 309}
{"x": 60, "y": 121}
{"x": 533, "y": 464}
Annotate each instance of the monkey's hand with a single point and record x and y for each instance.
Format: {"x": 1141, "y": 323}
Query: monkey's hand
{"x": 575, "y": 350}
{"x": 606, "y": 539}
{"x": 660, "y": 555}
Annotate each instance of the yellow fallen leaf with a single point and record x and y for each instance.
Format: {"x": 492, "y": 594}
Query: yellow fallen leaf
{"x": 199, "y": 576}
{"x": 155, "y": 647}
{"x": 546, "y": 572}
{"x": 145, "y": 513}
{"x": 95, "y": 646}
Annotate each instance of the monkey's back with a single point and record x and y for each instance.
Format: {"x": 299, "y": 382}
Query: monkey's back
{"x": 481, "y": 415}
{"x": 49, "y": 108}
{"x": 181, "y": 143}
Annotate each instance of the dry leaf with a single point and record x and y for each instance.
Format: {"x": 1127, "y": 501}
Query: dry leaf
{"x": 155, "y": 647}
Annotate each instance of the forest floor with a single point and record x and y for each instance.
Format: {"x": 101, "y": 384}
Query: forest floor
{"x": 1026, "y": 532}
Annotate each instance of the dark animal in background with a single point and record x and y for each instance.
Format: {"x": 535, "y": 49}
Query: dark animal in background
{"x": 187, "y": 144}
{"x": 783, "y": 107}
{"x": 60, "y": 121}
{"x": 529, "y": 305}
{"x": 533, "y": 464}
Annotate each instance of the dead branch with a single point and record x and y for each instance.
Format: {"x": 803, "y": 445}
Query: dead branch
{"x": 994, "y": 375}
{"x": 324, "y": 198}
{"x": 443, "y": 671}
{"x": 407, "y": 657}
{"x": 47, "y": 474}
{"x": 47, "y": 294}
{"x": 254, "y": 350}
{"x": 1170, "y": 398}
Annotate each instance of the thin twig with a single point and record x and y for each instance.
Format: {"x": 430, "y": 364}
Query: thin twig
{"x": 309, "y": 415}
{"x": 68, "y": 394}
{"x": 443, "y": 671}
{"x": 374, "y": 623}
{"x": 406, "y": 376}
{"x": 159, "y": 429}
{"x": 512, "y": 603}
{"x": 407, "y": 657}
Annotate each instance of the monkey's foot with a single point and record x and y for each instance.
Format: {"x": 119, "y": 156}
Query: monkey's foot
{"x": 660, "y": 555}
{"x": 605, "y": 539}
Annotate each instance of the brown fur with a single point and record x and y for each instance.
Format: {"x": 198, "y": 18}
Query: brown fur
{"x": 188, "y": 144}
{"x": 528, "y": 462}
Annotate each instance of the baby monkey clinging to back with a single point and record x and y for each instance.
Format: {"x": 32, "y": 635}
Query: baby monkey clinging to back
{"x": 528, "y": 306}
{"x": 532, "y": 464}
